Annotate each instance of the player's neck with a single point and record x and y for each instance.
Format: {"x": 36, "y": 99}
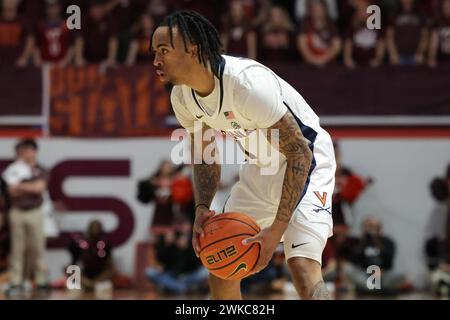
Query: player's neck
{"x": 202, "y": 81}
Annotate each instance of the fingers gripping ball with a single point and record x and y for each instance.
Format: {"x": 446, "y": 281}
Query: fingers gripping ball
{"x": 221, "y": 249}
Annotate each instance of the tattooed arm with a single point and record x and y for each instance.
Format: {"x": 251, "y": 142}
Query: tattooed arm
{"x": 294, "y": 147}
{"x": 206, "y": 178}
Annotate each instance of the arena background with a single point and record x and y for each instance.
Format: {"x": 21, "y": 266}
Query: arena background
{"x": 100, "y": 133}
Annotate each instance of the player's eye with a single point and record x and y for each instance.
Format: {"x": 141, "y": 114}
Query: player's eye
{"x": 164, "y": 51}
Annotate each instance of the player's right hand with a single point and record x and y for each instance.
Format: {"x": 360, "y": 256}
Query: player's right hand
{"x": 202, "y": 214}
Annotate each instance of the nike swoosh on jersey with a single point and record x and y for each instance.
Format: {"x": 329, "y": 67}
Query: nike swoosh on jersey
{"x": 298, "y": 245}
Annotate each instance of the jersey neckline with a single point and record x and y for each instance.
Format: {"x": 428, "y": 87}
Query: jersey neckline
{"x": 220, "y": 102}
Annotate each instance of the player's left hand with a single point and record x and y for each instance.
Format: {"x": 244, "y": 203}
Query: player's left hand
{"x": 269, "y": 241}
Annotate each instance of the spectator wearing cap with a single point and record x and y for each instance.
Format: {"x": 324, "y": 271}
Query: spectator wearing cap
{"x": 27, "y": 182}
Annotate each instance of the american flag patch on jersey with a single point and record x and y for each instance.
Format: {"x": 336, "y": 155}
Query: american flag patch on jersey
{"x": 229, "y": 115}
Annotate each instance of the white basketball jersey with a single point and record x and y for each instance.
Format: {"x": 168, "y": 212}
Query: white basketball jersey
{"x": 249, "y": 97}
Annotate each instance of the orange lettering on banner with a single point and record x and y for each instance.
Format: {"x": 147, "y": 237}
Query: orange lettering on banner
{"x": 91, "y": 75}
{"x": 56, "y": 82}
{"x": 108, "y": 111}
{"x": 142, "y": 101}
{"x": 93, "y": 101}
{"x": 124, "y": 92}
{"x": 71, "y": 114}
{"x": 75, "y": 79}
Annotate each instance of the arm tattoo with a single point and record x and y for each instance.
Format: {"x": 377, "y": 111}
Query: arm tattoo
{"x": 320, "y": 292}
{"x": 206, "y": 178}
{"x": 206, "y": 181}
{"x": 295, "y": 148}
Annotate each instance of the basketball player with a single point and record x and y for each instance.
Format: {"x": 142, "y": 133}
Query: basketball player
{"x": 241, "y": 97}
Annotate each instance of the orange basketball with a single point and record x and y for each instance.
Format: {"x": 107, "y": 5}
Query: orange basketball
{"x": 221, "y": 249}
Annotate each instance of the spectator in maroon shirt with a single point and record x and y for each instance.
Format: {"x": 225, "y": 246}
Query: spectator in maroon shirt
{"x": 97, "y": 43}
{"x": 318, "y": 40}
{"x": 16, "y": 40}
{"x": 277, "y": 38}
{"x": 439, "y": 49}
{"x": 363, "y": 46}
{"x": 238, "y": 38}
{"x": 138, "y": 51}
{"x": 406, "y": 37}
{"x": 54, "y": 39}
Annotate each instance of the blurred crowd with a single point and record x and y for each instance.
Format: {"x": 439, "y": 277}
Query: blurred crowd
{"x": 173, "y": 268}
{"x": 311, "y": 32}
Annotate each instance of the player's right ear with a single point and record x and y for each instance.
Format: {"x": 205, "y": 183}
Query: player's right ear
{"x": 193, "y": 50}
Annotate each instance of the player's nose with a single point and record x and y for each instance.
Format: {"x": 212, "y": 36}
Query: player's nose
{"x": 157, "y": 61}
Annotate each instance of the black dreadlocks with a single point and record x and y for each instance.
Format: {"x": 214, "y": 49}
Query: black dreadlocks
{"x": 199, "y": 31}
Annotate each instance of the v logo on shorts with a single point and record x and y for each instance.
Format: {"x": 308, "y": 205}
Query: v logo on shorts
{"x": 322, "y": 197}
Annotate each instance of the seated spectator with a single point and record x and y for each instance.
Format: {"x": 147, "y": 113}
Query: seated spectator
{"x": 439, "y": 49}
{"x": 335, "y": 258}
{"x": 277, "y": 38}
{"x": 318, "y": 40}
{"x": 54, "y": 39}
{"x": 406, "y": 37}
{"x": 97, "y": 42}
{"x": 138, "y": 50}
{"x": 374, "y": 249}
{"x": 92, "y": 253}
{"x": 237, "y": 36}
{"x": 16, "y": 39}
{"x": 178, "y": 270}
{"x": 363, "y": 46}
